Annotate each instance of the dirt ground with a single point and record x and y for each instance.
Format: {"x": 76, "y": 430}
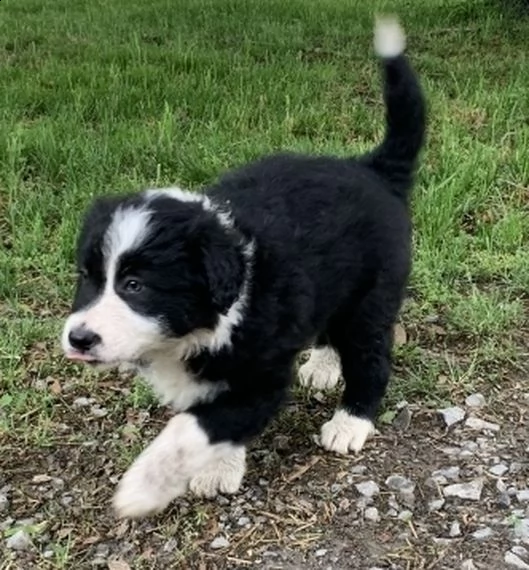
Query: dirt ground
{"x": 300, "y": 507}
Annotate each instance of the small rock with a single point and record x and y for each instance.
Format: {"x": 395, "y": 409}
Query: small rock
{"x": 482, "y": 533}
{"x": 468, "y": 565}
{"x": 521, "y": 528}
{"x": 499, "y": 469}
{"x": 455, "y": 530}
{"x": 520, "y": 551}
{"x": 20, "y": 540}
{"x": 40, "y": 479}
{"x": 358, "y": 469}
{"x": 98, "y": 412}
{"x": 470, "y": 491}
{"x": 371, "y": 514}
{"x": 522, "y": 496}
{"x": 4, "y": 503}
{"x": 481, "y": 425}
{"x": 405, "y": 516}
{"x": 475, "y": 401}
{"x": 243, "y": 521}
{"x": 170, "y": 545}
{"x": 504, "y": 501}
{"x": 436, "y": 505}
{"x": 219, "y": 542}
{"x": 402, "y": 420}
{"x": 447, "y": 473}
{"x": 48, "y": 553}
{"x": 400, "y": 484}
{"x": 83, "y": 402}
{"x": 452, "y": 415}
{"x": 516, "y": 562}
{"x": 368, "y": 489}
{"x": 320, "y": 552}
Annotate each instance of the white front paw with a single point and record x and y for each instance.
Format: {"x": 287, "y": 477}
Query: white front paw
{"x": 142, "y": 492}
{"x": 163, "y": 471}
{"x": 345, "y": 432}
{"x": 322, "y": 370}
{"x": 221, "y": 475}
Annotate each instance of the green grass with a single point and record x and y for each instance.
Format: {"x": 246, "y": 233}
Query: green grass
{"x": 102, "y": 97}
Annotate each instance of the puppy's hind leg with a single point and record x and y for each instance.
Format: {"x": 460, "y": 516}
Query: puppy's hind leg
{"x": 322, "y": 370}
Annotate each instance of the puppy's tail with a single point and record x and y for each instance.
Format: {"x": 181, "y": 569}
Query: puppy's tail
{"x": 396, "y": 157}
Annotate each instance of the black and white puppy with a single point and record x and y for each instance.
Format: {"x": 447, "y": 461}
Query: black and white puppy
{"x": 211, "y": 296}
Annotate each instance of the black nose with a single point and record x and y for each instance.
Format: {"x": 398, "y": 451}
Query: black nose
{"x": 83, "y": 339}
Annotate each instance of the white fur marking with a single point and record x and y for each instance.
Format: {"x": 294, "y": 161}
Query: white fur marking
{"x": 224, "y": 475}
{"x": 126, "y": 335}
{"x": 164, "y": 470}
{"x": 175, "y": 385}
{"x": 344, "y": 433}
{"x": 128, "y": 229}
{"x": 322, "y": 370}
{"x": 390, "y": 39}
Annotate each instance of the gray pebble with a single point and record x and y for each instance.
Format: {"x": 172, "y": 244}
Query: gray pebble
{"x": 368, "y": 488}
{"x": 20, "y": 540}
{"x": 405, "y": 516}
{"x": 452, "y": 415}
{"x": 475, "y": 401}
{"x": 243, "y": 521}
{"x": 455, "y": 529}
{"x": 470, "y": 491}
{"x": 523, "y": 496}
{"x": 447, "y": 473}
{"x": 436, "y": 504}
{"x": 481, "y": 425}
{"x": 482, "y": 533}
{"x": 499, "y": 469}
{"x": 371, "y": 514}
{"x": 4, "y": 503}
{"x": 521, "y": 528}
{"x": 400, "y": 484}
{"x": 468, "y": 565}
{"x": 320, "y": 552}
{"x": 514, "y": 561}
{"x": 219, "y": 542}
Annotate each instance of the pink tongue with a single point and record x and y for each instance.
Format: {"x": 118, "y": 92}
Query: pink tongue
{"x": 79, "y": 356}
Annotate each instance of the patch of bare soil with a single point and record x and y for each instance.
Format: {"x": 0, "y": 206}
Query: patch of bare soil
{"x": 421, "y": 495}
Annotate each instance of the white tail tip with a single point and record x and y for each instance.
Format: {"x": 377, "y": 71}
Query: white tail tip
{"x": 390, "y": 39}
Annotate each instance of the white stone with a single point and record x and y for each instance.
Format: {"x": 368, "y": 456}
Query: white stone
{"x": 320, "y": 552}
{"x": 219, "y": 542}
{"x": 523, "y": 496}
{"x": 468, "y": 565}
{"x": 475, "y": 400}
{"x": 447, "y": 473}
{"x": 482, "y": 533}
{"x": 436, "y": 504}
{"x": 499, "y": 469}
{"x": 20, "y": 540}
{"x": 481, "y": 425}
{"x": 455, "y": 529}
{"x": 400, "y": 484}
{"x": 452, "y": 415}
{"x": 470, "y": 491}
{"x": 514, "y": 561}
{"x": 368, "y": 488}
{"x": 371, "y": 514}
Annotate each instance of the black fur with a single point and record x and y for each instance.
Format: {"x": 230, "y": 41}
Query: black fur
{"x": 331, "y": 263}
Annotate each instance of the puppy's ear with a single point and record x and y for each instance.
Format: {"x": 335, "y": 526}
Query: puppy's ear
{"x": 224, "y": 267}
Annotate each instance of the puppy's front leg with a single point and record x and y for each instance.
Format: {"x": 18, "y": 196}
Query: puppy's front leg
{"x": 163, "y": 470}
{"x": 202, "y": 449}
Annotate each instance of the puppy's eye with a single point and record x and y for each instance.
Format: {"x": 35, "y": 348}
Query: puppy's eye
{"x": 132, "y": 286}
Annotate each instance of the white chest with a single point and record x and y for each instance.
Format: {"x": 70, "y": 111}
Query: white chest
{"x": 176, "y": 386}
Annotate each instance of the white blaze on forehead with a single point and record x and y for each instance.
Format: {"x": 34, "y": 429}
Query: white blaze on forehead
{"x": 128, "y": 229}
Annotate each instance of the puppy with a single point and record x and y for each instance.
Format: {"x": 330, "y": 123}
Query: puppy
{"x": 211, "y": 296}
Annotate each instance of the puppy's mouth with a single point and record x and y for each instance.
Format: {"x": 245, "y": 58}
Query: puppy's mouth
{"x": 83, "y": 357}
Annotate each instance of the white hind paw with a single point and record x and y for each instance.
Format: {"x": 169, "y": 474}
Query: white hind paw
{"x": 322, "y": 370}
{"x": 345, "y": 433}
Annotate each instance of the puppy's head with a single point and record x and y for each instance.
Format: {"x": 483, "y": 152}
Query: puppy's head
{"x": 156, "y": 271}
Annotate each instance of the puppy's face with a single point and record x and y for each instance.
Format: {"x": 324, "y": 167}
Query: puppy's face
{"x": 153, "y": 272}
